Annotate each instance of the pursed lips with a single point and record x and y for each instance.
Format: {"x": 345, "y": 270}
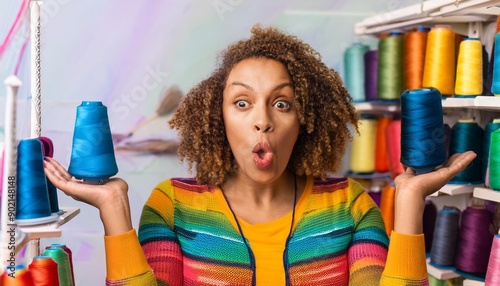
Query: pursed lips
{"x": 262, "y": 154}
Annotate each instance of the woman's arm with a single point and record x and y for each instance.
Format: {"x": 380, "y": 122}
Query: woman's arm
{"x": 126, "y": 262}
{"x": 153, "y": 257}
{"x": 411, "y": 191}
{"x": 110, "y": 198}
{"x": 406, "y": 255}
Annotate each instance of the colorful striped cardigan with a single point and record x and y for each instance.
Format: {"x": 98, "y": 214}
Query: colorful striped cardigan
{"x": 338, "y": 239}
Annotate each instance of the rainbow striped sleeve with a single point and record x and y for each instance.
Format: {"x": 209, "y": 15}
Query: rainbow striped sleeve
{"x": 368, "y": 250}
{"x": 158, "y": 240}
{"x": 403, "y": 265}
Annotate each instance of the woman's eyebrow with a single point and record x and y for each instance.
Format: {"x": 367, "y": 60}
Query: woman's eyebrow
{"x": 241, "y": 84}
{"x": 279, "y": 86}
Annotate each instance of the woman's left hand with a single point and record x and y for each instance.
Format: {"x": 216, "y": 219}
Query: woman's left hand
{"x": 411, "y": 191}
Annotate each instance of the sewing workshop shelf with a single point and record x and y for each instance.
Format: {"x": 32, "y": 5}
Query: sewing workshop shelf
{"x": 455, "y": 190}
{"x": 485, "y": 103}
{"x": 487, "y": 194}
{"x": 47, "y": 230}
{"x": 441, "y": 274}
{"x": 377, "y": 107}
{"x": 464, "y": 16}
{"x": 470, "y": 282}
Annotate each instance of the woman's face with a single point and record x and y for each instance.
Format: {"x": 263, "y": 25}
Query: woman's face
{"x": 260, "y": 120}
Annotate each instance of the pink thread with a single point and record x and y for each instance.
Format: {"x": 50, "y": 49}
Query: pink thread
{"x": 493, "y": 273}
{"x": 47, "y": 146}
{"x": 15, "y": 26}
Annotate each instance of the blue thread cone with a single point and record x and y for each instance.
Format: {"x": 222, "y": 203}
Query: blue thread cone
{"x": 467, "y": 136}
{"x": 32, "y": 194}
{"x": 445, "y": 237}
{"x": 92, "y": 156}
{"x": 423, "y": 137}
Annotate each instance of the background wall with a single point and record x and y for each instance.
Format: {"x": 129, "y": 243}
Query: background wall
{"x": 125, "y": 55}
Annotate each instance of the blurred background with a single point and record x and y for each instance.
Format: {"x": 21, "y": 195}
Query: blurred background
{"x": 126, "y": 54}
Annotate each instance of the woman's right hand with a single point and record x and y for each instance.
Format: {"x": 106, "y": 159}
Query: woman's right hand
{"x": 110, "y": 198}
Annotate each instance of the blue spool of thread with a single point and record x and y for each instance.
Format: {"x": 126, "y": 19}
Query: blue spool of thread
{"x": 445, "y": 238}
{"x": 354, "y": 67}
{"x": 423, "y": 138}
{"x": 495, "y": 85}
{"x": 468, "y": 135}
{"x": 33, "y": 204}
{"x": 92, "y": 156}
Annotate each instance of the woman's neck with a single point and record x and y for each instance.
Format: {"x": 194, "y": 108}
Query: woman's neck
{"x": 260, "y": 203}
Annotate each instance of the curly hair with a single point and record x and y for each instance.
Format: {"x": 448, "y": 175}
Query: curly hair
{"x": 324, "y": 108}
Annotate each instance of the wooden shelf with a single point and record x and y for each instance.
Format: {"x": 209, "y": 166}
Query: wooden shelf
{"x": 479, "y": 102}
{"x": 487, "y": 194}
{"x": 441, "y": 274}
{"x": 458, "y": 102}
{"x": 431, "y": 12}
{"x": 454, "y": 190}
{"x": 47, "y": 230}
{"x": 491, "y": 103}
{"x": 377, "y": 107}
{"x": 470, "y": 282}
{"x": 487, "y": 102}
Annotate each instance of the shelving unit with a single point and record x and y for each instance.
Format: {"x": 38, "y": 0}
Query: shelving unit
{"x": 28, "y": 236}
{"x": 458, "y": 14}
{"x": 466, "y": 17}
{"x": 48, "y": 230}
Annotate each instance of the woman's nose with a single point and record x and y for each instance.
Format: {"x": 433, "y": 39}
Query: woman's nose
{"x": 263, "y": 122}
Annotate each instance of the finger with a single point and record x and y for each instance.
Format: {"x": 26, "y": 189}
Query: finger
{"x": 452, "y": 158}
{"x": 458, "y": 162}
{"x": 54, "y": 166}
{"x": 53, "y": 174}
{"x": 455, "y": 165}
{"x": 73, "y": 187}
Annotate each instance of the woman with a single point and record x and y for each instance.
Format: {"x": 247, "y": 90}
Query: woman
{"x": 262, "y": 132}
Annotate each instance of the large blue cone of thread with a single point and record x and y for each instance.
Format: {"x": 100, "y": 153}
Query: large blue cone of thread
{"x": 423, "y": 138}
{"x": 32, "y": 199}
{"x": 92, "y": 155}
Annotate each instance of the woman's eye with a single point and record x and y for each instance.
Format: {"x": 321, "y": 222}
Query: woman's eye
{"x": 282, "y": 105}
{"x": 241, "y": 103}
